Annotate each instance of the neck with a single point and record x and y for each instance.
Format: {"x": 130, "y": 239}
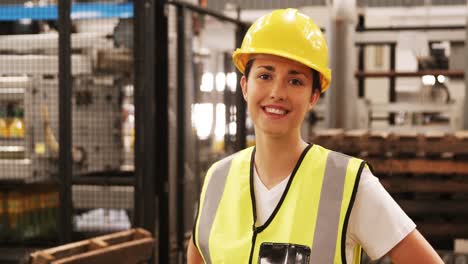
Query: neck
{"x": 275, "y": 158}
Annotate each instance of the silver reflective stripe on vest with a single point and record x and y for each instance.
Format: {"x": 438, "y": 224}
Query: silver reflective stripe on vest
{"x": 213, "y": 194}
{"x": 328, "y": 216}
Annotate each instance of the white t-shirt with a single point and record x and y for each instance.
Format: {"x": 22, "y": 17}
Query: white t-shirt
{"x": 376, "y": 222}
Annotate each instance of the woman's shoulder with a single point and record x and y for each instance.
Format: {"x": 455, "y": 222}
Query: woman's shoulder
{"x": 377, "y": 222}
{"x": 322, "y": 149}
{"x": 243, "y": 155}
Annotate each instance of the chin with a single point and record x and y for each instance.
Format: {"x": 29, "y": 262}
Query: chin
{"x": 275, "y": 133}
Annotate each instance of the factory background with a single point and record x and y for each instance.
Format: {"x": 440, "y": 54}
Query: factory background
{"x": 111, "y": 112}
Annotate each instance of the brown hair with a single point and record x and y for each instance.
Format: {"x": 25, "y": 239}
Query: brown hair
{"x": 316, "y": 85}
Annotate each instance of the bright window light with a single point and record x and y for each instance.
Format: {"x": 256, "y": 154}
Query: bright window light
{"x": 220, "y": 81}
{"x": 202, "y": 119}
{"x": 25, "y": 21}
{"x": 441, "y": 78}
{"x": 428, "y": 80}
{"x": 220, "y": 127}
{"x": 233, "y": 110}
{"x": 232, "y": 128}
{"x": 231, "y": 81}
{"x": 12, "y": 79}
{"x": 207, "y": 82}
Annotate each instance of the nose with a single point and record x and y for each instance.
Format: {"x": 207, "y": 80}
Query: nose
{"x": 278, "y": 91}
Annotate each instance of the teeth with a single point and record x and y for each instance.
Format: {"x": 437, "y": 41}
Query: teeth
{"x": 275, "y": 111}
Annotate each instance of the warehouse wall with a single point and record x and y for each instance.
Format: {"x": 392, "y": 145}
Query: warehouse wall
{"x": 246, "y": 4}
{"x": 410, "y": 45}
{"x": 378, "y": 58}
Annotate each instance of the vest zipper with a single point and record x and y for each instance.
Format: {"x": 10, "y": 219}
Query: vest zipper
{"x": 254, "y": 238}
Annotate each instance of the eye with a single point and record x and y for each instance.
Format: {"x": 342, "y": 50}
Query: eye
{"x": 296, "y": 82}
{"x": 264, "y": 76}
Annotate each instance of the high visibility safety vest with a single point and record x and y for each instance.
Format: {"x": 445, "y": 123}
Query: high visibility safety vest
{"x": 307, "y": 226}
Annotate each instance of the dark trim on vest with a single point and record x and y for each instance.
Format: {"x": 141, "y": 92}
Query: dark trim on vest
{"x": 348, "y": 213}
{"x": 259, "y": 229}
{"x": 371, "y": 169}
{"x": 254, "y": 206}
{"x": 252, "y": 247}
{"x": 252, "y": 191}
{"x": 360, "y": 259}
{"x": 278, "y": 206}
{"x": 194, "y": 229}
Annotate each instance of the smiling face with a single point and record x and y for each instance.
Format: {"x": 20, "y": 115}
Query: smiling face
{"x": 278, "y": 92}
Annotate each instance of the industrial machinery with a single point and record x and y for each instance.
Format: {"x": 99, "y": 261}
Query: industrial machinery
{"x": 29, "y": 82}
{"x": 101, "y": 126}
{"x": 423, "y": 75}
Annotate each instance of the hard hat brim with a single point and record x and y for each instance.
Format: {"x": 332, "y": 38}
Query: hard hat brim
{"x": 241, "y": 57}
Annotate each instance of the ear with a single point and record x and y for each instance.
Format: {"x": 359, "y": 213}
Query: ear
{"x": 243, "y": 83}
{"x": 314, "y": 98}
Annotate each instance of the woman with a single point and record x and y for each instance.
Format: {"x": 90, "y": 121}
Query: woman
{"x": 284, "y": 200}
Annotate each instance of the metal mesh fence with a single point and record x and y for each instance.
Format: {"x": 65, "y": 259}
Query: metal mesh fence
{"x": 213, "y": 106}
{"x": 249, "y": 5}
{"x": 392, "y": 3}
{"x": 245, "y": 4}
{"x": 29, "y": 192}
{"x": 202, "y": 112}
{"x": 103, "y": 123}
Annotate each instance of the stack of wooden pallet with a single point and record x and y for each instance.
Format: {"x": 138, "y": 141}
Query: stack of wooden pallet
{"x": 426, "y": 173}
{"x": 449, "y": 257}
{"x": 129, "y": 247}
{"x": 380, "y": 144}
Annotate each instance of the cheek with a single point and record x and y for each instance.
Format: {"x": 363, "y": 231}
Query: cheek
{"x": 249, "y": 100}
{"x": 303, "y": 106}
{"x": 253, "y": 94}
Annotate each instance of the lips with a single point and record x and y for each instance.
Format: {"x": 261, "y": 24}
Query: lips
{"x": 275, "y": 110}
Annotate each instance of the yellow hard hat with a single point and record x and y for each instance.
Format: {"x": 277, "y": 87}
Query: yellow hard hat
{"x": 290, "y": 34}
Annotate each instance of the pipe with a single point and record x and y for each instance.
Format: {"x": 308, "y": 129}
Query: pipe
{"x": 342, "y": 95}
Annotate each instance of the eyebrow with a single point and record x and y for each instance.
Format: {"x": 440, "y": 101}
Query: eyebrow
{"x": 267, "y": 67}
{"x": 271, "y": 68}
{"x": 294, "y": 72}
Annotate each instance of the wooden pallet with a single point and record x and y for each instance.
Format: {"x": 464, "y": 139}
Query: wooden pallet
{"x": 378, "y": 144}
{"x": 363, "y": 143}
{"x": 448, "y": 257}
{"x": 418, "y": 166}
{"x": 415, "y": 185}
{"x": 354, "y": 142}
{"x": 406, "y": 145}
{"x": 131, "y": 246}
{"x": 460, "y": 147}
{"x": 426, "y": 173}
{"x": 437, "y": 143}
{"x": 330, "y": 138}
